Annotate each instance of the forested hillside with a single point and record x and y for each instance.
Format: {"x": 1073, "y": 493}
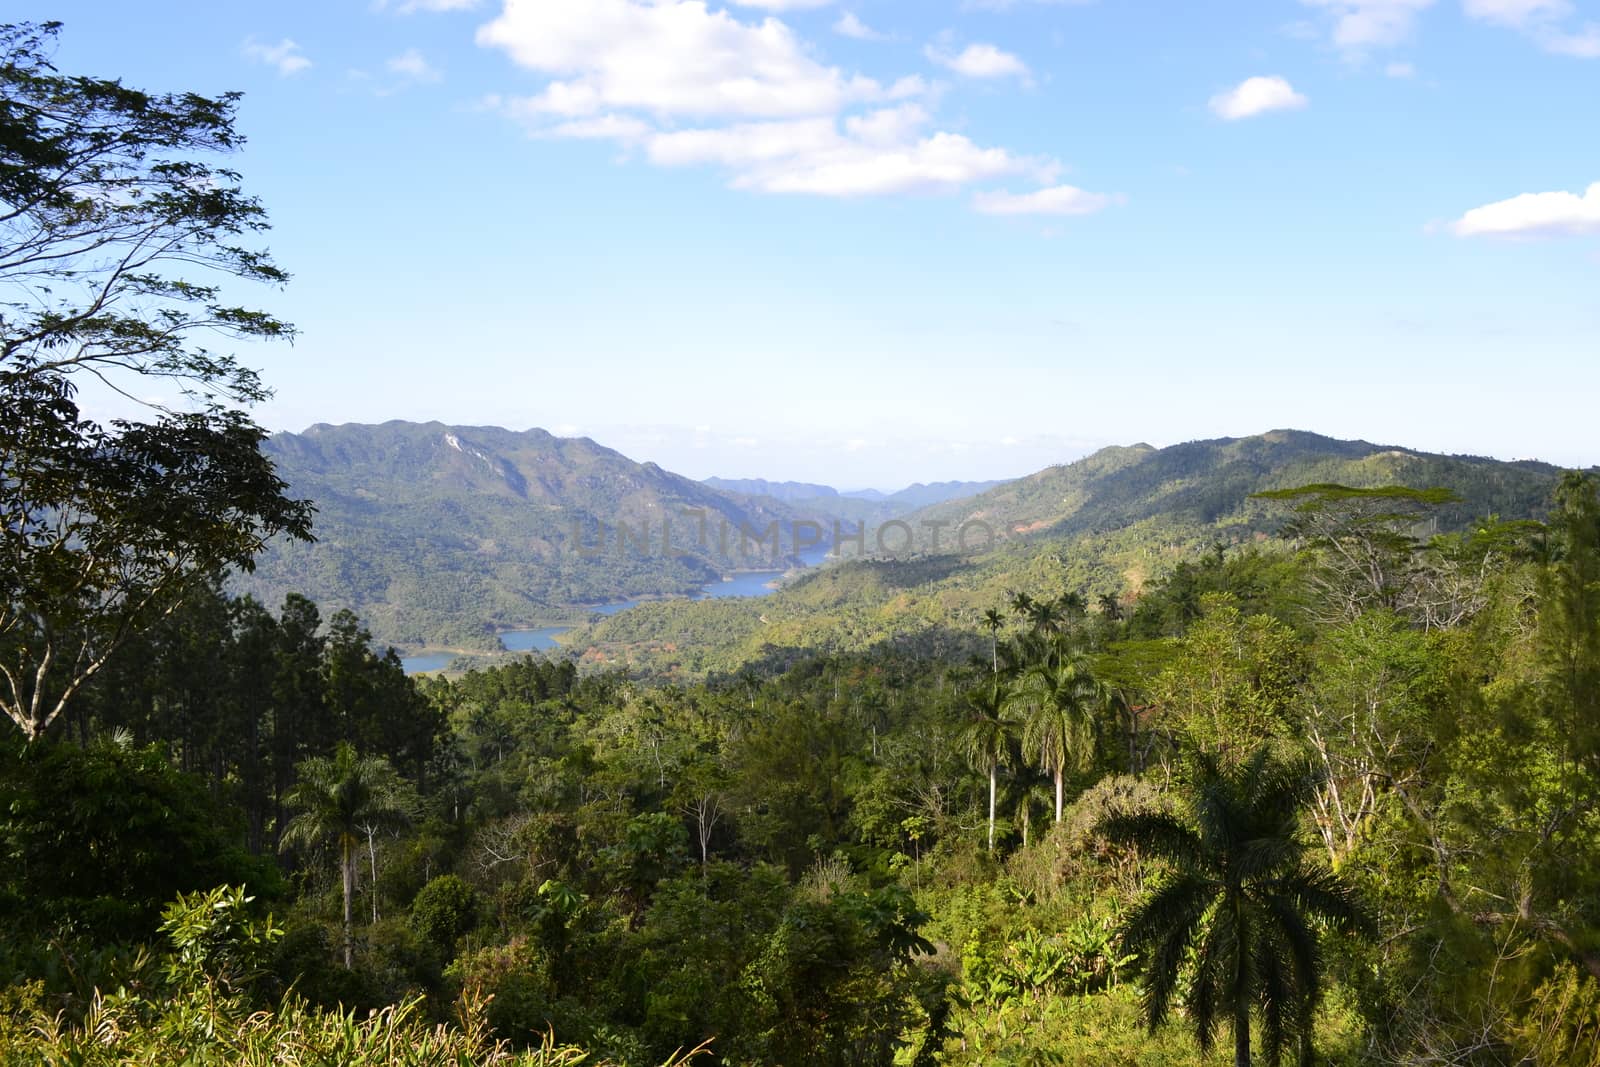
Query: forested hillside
{"x": 1027, "y": 844}
{"x": 438, "y": 536}
{"x": 1104, "y": 526}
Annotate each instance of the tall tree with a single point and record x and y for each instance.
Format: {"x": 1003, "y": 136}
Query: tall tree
{"x": 115, "y": 234}
{"x": 1238, "y": 906}
{"x": 986, "y": 738}
{"x": 993, "y": 621}
{"x": 1056, "y": 698}
{"x": 339, "y": 800}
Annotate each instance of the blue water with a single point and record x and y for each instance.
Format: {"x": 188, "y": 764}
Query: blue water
{"x": 754, "y": 583}
{"x": 433, "y": 661}
{"x": 532, "y": 640}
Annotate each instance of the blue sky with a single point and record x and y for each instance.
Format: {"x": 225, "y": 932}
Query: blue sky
{"x": 866, "y": 242}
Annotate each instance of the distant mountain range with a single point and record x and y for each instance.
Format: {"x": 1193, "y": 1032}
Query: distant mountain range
{"x": 441, "y": 535}
{"x": 908, "y": 499}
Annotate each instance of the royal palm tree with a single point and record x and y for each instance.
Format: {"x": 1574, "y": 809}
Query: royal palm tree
{"x": 1046, "y": 617}
{"x": 1110, "y": 607}
{"x": 337, "y": 800}
{"x": 993, "y": 621}
{"x": 1056, "y": 698}
{"x": 1021, "y": 604}
{"x": 986, "y": 738}
{"x": 1238, "y": 909}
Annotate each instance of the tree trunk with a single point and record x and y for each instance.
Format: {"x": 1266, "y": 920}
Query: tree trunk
{"x": 1058, "y": 794}
{"x": 991, "y": 807}
{"x": 1241, "y": 1040}
{"x": 372, "y": 888}
{"x": 347, "y": 864}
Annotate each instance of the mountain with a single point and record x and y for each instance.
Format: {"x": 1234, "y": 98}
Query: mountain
{"x": 1107, "y": 524}
{"x": 825, "y": 505}
{"x": 440, "y": 535}
{"x": 1209, "y": 484}
{"x": 907, "y": 499}
{"x": 921, "y": 496}
{"x": 787, "y": 491}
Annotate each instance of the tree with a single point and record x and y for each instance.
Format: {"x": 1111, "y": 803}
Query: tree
{"x": 336, "y": 799}
{"x": 1233, "y": 680}
{"x": 986, "y": 738}
{"x": 993, "y": 621}
{"x": 1237, "y": 908}
{"x": 1365, "y": 540}
{"x": 1569, "y": 620}
{"x": 1057, "y": 697}
{"x": 114, "y": 232}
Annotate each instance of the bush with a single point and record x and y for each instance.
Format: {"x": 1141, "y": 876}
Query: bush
{"x": 96, "y": 840}
{"x": 445, "y": 909}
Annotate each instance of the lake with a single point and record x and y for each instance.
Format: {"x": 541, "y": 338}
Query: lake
{"x": 753, "y": 583}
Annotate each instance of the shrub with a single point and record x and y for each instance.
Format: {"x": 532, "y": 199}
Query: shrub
{"x": 445, "y": 909}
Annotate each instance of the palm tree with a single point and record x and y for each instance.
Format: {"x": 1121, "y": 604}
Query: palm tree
{"x": 1046, "y": 617}
{"x": 986, "y": 738}
{"x": 338, "y": 799}
{"x": 1238, "y": 907}
{"x": 992, "y": 621}
{"x": 1110, "y": 607}
{"x": 1021, "y": 604}
{"x": 1056, "y": 697}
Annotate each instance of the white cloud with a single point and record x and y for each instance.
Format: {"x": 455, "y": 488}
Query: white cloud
{"x": 1400, "y": 70}
{"x": 1543, "y": 21}
{"x": 1363, "y": 24}
{"x": 412, "y": 64}
{"x": 623, "y": 128}
{"x": 672, "y": 57}
{"x": 1516, "y": 13}
{"x": 685, "y": 84}
{"x": 1534, "y": 215}
{"x": 1584, "y": 44}
{"x": 979, "y": 61}
{"x": 1057, "y": 200}
{"x": 851, "y": 26}
{"x": 784, "y": 5}
{"x": 1257, "y": 96}
{"x": 285, "y": 56}
{"x": 876, "y": 154}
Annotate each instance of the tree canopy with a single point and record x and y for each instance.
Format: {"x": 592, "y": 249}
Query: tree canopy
{"x": 116, "y": 238}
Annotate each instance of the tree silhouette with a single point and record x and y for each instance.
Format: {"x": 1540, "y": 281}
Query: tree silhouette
{"x": 1238, "y": 908}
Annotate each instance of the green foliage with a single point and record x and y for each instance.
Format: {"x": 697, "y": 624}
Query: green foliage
{"x": 1233, "y": 679}
{"x": 339, "y": 801}
{"x": 444, "y": 910}
{"x": 1235, "y": 913}
{"x": 94, "y": 840}
{"x": 114, "y": 244}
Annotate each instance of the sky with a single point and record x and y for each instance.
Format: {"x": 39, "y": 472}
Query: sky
{"x": 867, "y": 243}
